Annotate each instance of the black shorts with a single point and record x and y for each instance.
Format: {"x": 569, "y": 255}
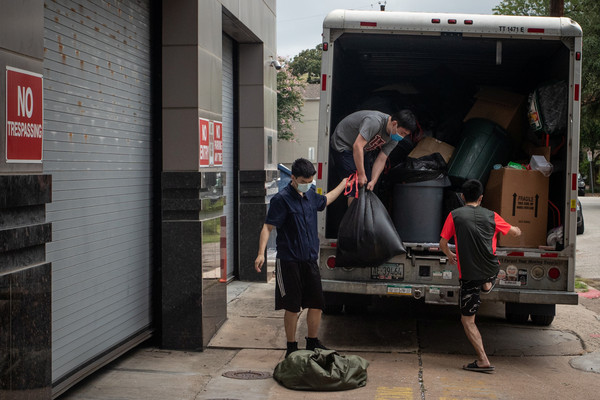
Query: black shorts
{"x": 470, "y": 295}
{"x": 298, "y": 285}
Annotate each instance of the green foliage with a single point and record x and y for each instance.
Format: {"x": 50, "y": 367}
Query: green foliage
{"x": 308, "y": 62}
{"x": 289, "y": 101}
{"x": 522, "y": 7}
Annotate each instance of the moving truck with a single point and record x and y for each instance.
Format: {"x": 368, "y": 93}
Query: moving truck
{"x": 488, "y": 91}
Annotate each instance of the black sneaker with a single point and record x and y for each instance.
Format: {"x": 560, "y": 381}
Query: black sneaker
{"x": 291, "y": 347}
{"x": 313, "y": 343}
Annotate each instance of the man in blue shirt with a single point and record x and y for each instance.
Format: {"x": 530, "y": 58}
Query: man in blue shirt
{"x": 293, "y": 211}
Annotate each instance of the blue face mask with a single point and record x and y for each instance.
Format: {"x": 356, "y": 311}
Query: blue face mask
{"x": 395, "y": 137}
{"x": 304, "y": 187}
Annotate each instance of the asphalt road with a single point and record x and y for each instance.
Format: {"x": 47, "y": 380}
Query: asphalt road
{"x": 587, "y": 260}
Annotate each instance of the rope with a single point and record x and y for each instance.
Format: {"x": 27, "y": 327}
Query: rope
{"x": 352, "y": 183}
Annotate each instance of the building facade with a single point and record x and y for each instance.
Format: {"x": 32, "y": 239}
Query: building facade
{"x": 138, "y": 153}
{"x": 305, "y": 132}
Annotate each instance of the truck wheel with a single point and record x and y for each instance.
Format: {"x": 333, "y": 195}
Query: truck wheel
{"x": 580, "y": 229}
{"x": 356, "y": 309}
{"x": 333, "y": 309}
{"x": 517, "y": 318}
{"x": 542, "y": 320}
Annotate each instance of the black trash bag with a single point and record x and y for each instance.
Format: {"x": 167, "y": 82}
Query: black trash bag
{"x": 548, "y": 108}
{"x": 321, "y": 369}
{"x": 367, "y": 236}
{"x": 426, "y": 168}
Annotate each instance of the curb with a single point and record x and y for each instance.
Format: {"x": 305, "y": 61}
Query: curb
{"x": 590, "y": 294}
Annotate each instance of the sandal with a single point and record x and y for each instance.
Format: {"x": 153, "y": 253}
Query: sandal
{"x": 474, "y": 367}
{"x": 490, "y": 289}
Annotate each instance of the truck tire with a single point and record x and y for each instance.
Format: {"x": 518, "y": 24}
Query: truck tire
{"x": 333, "y": 309}
{"x": 517, "y": 318}
{"x": 542, "y": 320}
{"x": 580, "y": 229}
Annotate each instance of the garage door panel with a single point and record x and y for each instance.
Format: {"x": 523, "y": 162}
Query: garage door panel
{"x": 130, "y": 38}
{"x": 228, "y": 94}
{"x": 98, "y": 149}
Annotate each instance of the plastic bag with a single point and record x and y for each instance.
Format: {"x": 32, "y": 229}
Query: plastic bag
{"x": 548, "y": 108}
{"x": 321, "y": 370}
{"x": 367, "y": 236}
{"x": 419, "y": 169}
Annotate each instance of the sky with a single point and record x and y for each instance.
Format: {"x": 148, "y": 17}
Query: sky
{"x": 300, "y": 22}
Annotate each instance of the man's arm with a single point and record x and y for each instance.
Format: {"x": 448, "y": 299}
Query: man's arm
{"x": 262, "y": 246}
{"x": 332, "y": 195}
{"x": 377, "y": 169}
{"x": 358, "y": 153}
{"x": 446, "y": 249}
{"x": 515, "y": 231}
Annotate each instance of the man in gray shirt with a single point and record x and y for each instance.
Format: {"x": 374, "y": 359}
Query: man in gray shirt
{"x": 364, "y": 131}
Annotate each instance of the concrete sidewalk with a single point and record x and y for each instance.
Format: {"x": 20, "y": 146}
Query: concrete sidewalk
{"x": 414, "y": 353}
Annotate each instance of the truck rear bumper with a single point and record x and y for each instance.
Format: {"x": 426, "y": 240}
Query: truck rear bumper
{"x": 440, "y": 294}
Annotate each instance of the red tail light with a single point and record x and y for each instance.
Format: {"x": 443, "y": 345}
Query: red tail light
{"x": 331, "y": 262}
{"x": 554, "y": 273}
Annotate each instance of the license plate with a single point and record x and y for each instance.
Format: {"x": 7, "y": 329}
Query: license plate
{"x": 388, "y": 272}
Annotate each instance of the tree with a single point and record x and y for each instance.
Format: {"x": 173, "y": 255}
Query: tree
{"x": 523, "y": 7}
{"x": 289, "y": 101}
{"x": 308, "y": 62}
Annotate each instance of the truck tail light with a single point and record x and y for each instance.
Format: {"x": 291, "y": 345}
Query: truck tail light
{"x": 553, "y": 273}
{"x": 331, "y": 262}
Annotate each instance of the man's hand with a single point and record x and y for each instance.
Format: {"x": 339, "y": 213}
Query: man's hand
{"x": 446, "y": 250}
{"x": 371, "y": 185}
{"x": 258, "y": 263}
{"x": 515, "y": 231}
{"x": 361, "y": 178}
{"x": 452, "y": 258}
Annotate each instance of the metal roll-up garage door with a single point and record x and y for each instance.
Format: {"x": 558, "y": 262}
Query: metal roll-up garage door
{"x": 97, "y": 147}
{"x": 228, "y": 148}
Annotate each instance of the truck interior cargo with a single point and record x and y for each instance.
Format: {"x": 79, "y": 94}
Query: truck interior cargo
{"x": 440, "y": 78}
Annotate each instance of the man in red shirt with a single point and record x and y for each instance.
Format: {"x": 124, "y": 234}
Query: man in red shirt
{"x": 474, "y": 229}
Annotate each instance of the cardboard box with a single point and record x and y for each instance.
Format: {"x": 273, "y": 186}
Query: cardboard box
{"x": 521, "y": 198}
{"x": 429, "y": 145}
{"x": 505, "y": 108}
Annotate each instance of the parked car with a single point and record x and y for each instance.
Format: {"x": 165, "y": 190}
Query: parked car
{"x": 580, "y": 185}
{"x": 580, "y": 226}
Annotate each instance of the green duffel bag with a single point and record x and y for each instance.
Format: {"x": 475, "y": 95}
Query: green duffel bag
{"x": 321, "y": 370}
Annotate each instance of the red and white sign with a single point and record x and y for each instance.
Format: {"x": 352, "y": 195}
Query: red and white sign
{"x": 24, "y": 116}
{"x": 203, "y": 139}
{"x": 218, "y": 158}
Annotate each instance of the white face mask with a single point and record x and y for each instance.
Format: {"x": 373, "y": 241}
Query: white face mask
{"x": 304, "y": 187}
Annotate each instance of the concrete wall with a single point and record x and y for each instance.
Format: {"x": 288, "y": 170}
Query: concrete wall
{"x": 25, "y": 276}
{"x": 193, "y": 196}
{"x": 192, "y": 74}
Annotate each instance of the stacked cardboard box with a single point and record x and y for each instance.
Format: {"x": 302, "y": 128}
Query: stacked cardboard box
{"x": 521, "y": 198}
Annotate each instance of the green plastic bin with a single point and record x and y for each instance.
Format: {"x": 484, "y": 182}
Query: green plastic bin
{"x": 483, "y": 144}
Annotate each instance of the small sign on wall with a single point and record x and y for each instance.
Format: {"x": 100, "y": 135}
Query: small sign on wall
{"x": 218, "y": 147}
{"x": 210, "y": 143}
{"x": 24, "y": 116}
{"x": 204, "y": 142}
